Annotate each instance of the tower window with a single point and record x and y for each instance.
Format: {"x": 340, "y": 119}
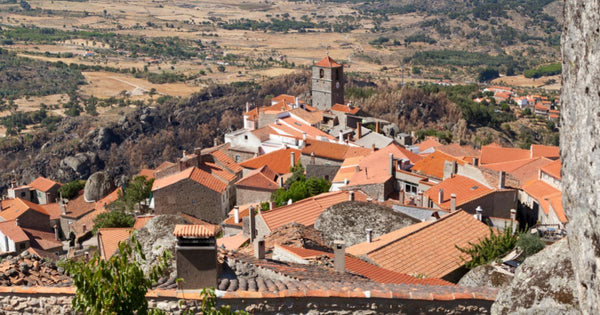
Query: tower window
{"x": 321, "y": 73}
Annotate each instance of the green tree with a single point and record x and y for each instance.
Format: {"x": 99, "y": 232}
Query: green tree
{"x": 488, "y": 74}
{"x": 117, "y": 285}
{"x": 498, "y": 243}
{"x": 113, "y": 219}
{"x": 530, "y": 243}
{"x": 138, "y": 190}
{"x": 70, "y": 190}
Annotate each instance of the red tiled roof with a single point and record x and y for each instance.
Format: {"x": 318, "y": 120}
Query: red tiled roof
{"x": 464, "y": 188}
{"x": 430, "y": 142}
{"x": 307, "y": 211}
{"x": 14, "y": 208}
{"x": 216, "y": 170}
{"x": 261, "y": 178}
{"x": 545, "y": 151}
{"x": 278, "y": 161}
{"x": 193, "y": 173}
{"x": 553, "y": 169}
{"x": 363, "y": 268}
{"x": 345, "y": 109}
{"x": 328, "y": 62}
{"x": 110, "y": 239}
{"x": 13, "y": 231}
{"x": 332, "y": 150}
{"x": 459, "y": 151}
{"x": 496, "y": 154}
{"x": 42, "y": 239}
{"x": 232, "y": 242}
{"x": 541, "y": 191}
{"x": 148, "y": 173}
{"x": 374, "y": 168}
{"x": 284, "y": 98}
{"x": 244, "y": 212}
{"x": 77, "y": 207}
{"x": 298, "y": 128}
{"x": 227, "y": 161}
{"x": 430, "y": 249}
{"x": 530, "y": 170}
{"x": 433, "y": 164}
{"x": 53, "y": 209}
{"x": 43, "y": 184}
{"x": 194, "y": 230}
{"x": 140, "y": 221}
{"x": 164, "y": 165}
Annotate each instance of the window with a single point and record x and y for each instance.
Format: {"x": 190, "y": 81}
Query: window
{"x": 245, "y": 137}
{"x": 22, "y": 194}
{"x": 39, "y": 194}
{"x": 410, "y": 188}
{"x": 337, "y": 84}
{"x": 321, "y": 73}
{"x": 238, "y": 158}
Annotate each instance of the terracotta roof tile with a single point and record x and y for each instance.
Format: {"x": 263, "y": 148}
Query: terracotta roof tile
{"x": 110, "y": 239}
{"x": 244, "y": 212}
{"x": 140, "y": 221}
{"x": 148, "y": 173}
{"x": 43, "y": 184}
{"x": 278, "y": 161}
{"x": 193, "y": 173}
{"x": 312, "y": 118}
{"x": 431, "y": 249}
{"x": 545, "y": 151}
{"x": 232, "y": 242}
{"x": 86, "y": 223}
{"x": 13, "y": 231}
{"x": 553, "y": 169}
{"x": 77, "y": 207}
{"x": 284, "y": 98}
{"x": 45, "y": 240}
{"x": 307, "y": 211}
{"x": 14, "y": 208}
{"x": 464, "y": 188}
{"x": 345, "y": 109}
{"x": 529, "y": 171}
{"x": 496, "y": 154}
{"x": 374, "y": 168}
{"x": 216, "y": 170}
{"x": 332, "y": 150}
{"x": 53, "y": 209}
{"x": 227, "y": 161}
{"x": 328, "y": 62}
{"x": 164, "y": 165}
{"x": 261, "y": 178}
{"x": 299, "y": 128}
{"x": 194, "y": 230}
{"x": 430, "y": 142}
{"x": 433, "y": 164}
{"x": 546, "y": 195}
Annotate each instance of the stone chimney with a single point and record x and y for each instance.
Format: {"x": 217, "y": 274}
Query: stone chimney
{"x": 236, "y": 214}
{"x": 358, "y": 131}
{"x": 401, "y": 197}
{"x": 339, "y": 256}
{"x": 420, "y": 198}
{"x": 501, "y": 179}
{"x": 196, "y": 258}
{"x": 56, "y": 232}
{"x": 84, "y": 228}
{"x": 292, "y": 158}
{"x": 440, "y": 196}
{"x": 312, "y": 158}
{"x": 479, "y": 213}
{"x": 184, "y": 154}
{"x": 259, "y": 249}
{"x": 271, "y": 205}
{"x": 476, "y": 161}
{"x": 369, "y": 235}
{"x": 351, "y": 195}
{"x": 252, "y": 224}
{"x": 391, "y": 164}
{"x": 377, "y": 126}
{"x": 247, "y": 107}
{"x": 341, "y": 137}
{"x": 452, "y": 202}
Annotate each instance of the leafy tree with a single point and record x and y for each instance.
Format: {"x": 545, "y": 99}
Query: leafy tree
{"x": 138, "y": 189}
{"x": 113, "y": 219}
{"x": 530, "y": 243}
{"x": 488, "y": 74}
{"x": 70, "y": 190}
{"x": 491, "y": 247}
{"x": 117, "y": 285}
{"x": 299, "y": 187}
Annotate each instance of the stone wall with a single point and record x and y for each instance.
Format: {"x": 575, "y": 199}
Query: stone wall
{"x": 247, "y": 195}
{"x": 326, "y": 172}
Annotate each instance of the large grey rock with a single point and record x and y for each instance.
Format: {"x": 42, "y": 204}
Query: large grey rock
{"x": 580, "y": 144}
{"x": 485, "y": 276}
{"x": 97, "y": 186}
{"x": 543, "y": 284}
{"x": 78, "y": 165}
{"x": 349, "y": 220}
{"x": 103, "y": 138}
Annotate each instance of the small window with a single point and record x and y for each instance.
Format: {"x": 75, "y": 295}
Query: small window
{"x": 321, "y": 73}
{"x": 245, "y": 137}
{"x": 22, "y": 194}
{"x": 337, "y": 84}
{"x": 238, "y": 158}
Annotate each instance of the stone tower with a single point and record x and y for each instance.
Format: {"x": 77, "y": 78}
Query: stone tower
{"x": 327, "y": 83}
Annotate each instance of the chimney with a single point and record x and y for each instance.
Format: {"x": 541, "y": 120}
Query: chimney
{"x": 501, "y": 179}
{"x": 452, "y": 202}
{"x": 391, "y": 164}
{"x": 440, "y": 196}
{"x": 424, "y": 201}
{"x": 84, "y": 228}
{"x": 280, "y": 180}
{"x": 196, "y": 261}
{"x": 292, "y": 158}
{"x": 312, "y": 158}
{"x": 369, "y": 200}
{"x": 184, "y": 153}
{"x": 247, "y": 107}
{"x": 346, "y": 181}
{"x": 297, "y": 103}
{"x": 369, "y": 235}
{"x": 479, "y": 214}
{"x": 351, "y": 195}
{"x": 271, "y": 205}
{"x": 56, "y": 232}
{"x": 236, "y": 214}
{"x": 358, "y": 131}
{"x": 341, "y": 137}
{"x": 454, "y": 168}
{"x": 17, "y": 222}
{"x": 372, "y": 147}
{"x": 339, "y": 256}
{"x": 198, "y": 150}
{"x": 513, "y": 215}
{"x": 476, "y": 161}
{"x": 259, "y": 249}
{"x": 304, "y": 135}
{"x": 401, "y": 197}
{"x": 377, "y": 127}
{"x": 215, "y": 142}
{"x": 252, "y": 224}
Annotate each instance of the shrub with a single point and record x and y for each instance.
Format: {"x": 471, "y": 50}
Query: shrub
{"x": 113, "y": 219}
{"x": 530, "y": 243}
{"x": 70, "y": 190}
{"x": 498, "y": 243}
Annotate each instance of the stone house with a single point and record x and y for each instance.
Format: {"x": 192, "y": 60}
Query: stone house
{"x": 41, "y": 191}
{"x": 279, "y": 161}
{"x": 72, "y": 211}
{"x": 257, "y": 186}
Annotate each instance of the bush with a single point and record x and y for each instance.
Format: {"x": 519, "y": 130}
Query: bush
{"x": 70, "y": 190}
{"x": 543, "y": 71}
{"x": 491, "y": 247}
{"x": 488, "y": 74}
{"x": 530, "y": 243}
{"x": 113, "y": 219}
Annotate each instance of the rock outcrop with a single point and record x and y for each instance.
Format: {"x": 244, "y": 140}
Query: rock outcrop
{"x": 580, "y": 145}
{"x": 78, "y": 166}
{"x": 485, "y": 276}
{"x": 543, "y": 284}
{"x": 349, "y": 220}
{"x": 97, "y": 186}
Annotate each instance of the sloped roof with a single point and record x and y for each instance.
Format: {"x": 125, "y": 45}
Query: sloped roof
{"x": 374, "y": 168}
{"x": 530, "y": 170}
{"x": 77, "y": 207}
{"x": 164, "y": 165}
{"x": 13, "y": 231}
{"x": 284, "y": 98}
{"x": 194, "y": 230}
{"x": 14, "y": 208}
{"x": 310, "y": 117}
{"x": 459, "y": 151}
{"x": 332, "y": 150}
{"x": 545, "y": 151}
{"x": 328, "y": 62}
{"x": 232, "y": 242}
{"x": 299, "y": 128}
{"x": 217, "y": 170}
{"x": 496, "y": 154}
{"x": 545, "y": 194}
{"x": 363, "y": 268}
{"x": 465, "y": 189}
{"x": 45, "y": 240}
{"x": 244, "y": 212}
{"x": 140, "y": 221}
{"x": 430, "y": 142}
{"x": 53, "y": 209}
{"x": 278, "y": 161}
{"x": 430, "y": 248}
{"x": 195, "y": 174}
{"x": 307, "y": 211}
{"x": 43, "y": 184}
{"x": 110, "y": 238}
{"x": 148, "y": 173}
{"x": 433, "y": 164}
{"x": 373, "y": 138}
{"x": 553, "y": 169}
{"x": 227, "y": 161}
{"x": 108, "y": 199}
{"x": 345, "y": 109}
{"x": 261, "y": 178}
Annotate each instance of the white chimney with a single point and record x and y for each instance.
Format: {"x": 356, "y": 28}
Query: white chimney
{"x": 280, "y": 180}
{"x": 369, "y": 200}
{"x": 297, "y": 103}
{"x": 440, "y": 196}
{"x": 292, "y": 159}
{"x": 247, "y": 107}
{"x": 513, "y": 215}
{"x": 339, "y": 256}
{"x": 346, "y": 181}
{"x": 341, "y": 137}
{"x": 304, "y": 135}
{"x": 236, "y": 214}
{"x": 369, "y": 235}
{"x": 479, "y": 213}
{"x": 351, "y": 195}
{"x": 452, "y": 202}
{"x": 56, "y": 232}
{"x": 184, "y": 153}
{"x": 17, "y": 222}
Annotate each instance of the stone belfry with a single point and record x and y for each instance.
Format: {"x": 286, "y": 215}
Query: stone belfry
{"x": 327, "y": 83}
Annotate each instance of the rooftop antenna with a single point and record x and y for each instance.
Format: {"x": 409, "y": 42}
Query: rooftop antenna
{"x": 327, "y": 50}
